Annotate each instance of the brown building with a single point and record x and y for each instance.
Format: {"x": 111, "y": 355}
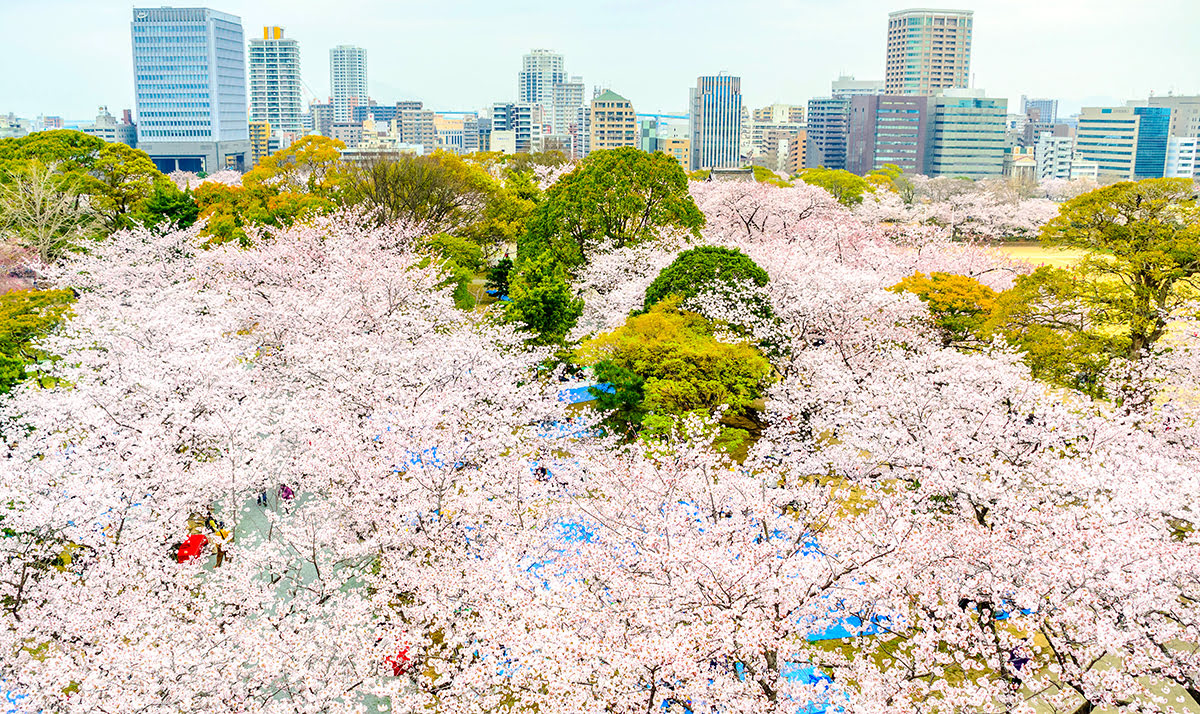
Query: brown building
{"x": 889, "y": 130}
{"x": 614, "y": 123}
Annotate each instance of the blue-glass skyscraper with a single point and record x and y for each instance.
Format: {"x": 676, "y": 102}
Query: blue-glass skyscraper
{"x": 189, "y": 67}
{"x": 716, "y": 122}
{"x": 1153, "y": 131}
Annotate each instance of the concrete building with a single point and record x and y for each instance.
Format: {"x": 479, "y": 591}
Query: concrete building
{"x": 1047, "y": 109}
{"x": 189, "y": 68}
{"x": 565, "y": 100}
{"x": 348, "y": 132}
{"x": 579, "y": 133}
{"x": 524, "y": 120}
{"x": 260, "y": 140}
{"x": 1054, "y": 155}
{"x": 716, "y": 127}
{"x": 847, "y": 86}
{"x": 416, "y": 126}
{"x": 1124, "y": 142}
{"x": 674, "y": 141}
{"x": 540, "y": 71}
{"x": 886, "y": 129}
{"x": 1182, "y": 157}
{"x": 275, "y": 82}
{"x": 767, "y": 127}
{"x": 828, "y": 131}
{"x": 968, "y": 135}
{"x": 321, "y": 118}
{"x": 1185, "y": 113}
{"x": 347, "y": 81}
{"x": 927, "y": 50}
{"x": 613, "y": 122}
{"x": 12, "y": 126}
{"x": 108, "y": 128}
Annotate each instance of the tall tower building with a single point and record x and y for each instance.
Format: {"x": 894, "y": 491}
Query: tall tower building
{"x": 540, "y": 71}
{"x": 347, "y": 80}
{"x": 716, "y": 122}
{"x": 275, "y": 82}
{"x": 927, "y": 51}
{"x": 189, "y": 74}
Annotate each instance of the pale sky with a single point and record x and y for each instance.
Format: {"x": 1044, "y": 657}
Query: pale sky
{"x": 66, "y": 57}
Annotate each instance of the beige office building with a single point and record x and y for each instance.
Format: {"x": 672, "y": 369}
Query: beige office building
{"x": 928, "y": 51}
{"x": 613, "y": 122}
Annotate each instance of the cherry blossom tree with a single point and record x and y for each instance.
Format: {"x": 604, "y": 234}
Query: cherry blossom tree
{"x": 405, "y": 515}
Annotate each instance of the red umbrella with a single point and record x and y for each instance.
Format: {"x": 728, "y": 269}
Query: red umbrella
{"x": 191, "y": 547}
{"x": 400, "y": 661}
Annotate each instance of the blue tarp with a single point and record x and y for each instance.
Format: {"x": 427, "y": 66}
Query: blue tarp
{"x": 575, "y": 395}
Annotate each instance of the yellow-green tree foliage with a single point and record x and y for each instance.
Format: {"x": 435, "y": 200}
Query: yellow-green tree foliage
{"x": 1143, "y": 243}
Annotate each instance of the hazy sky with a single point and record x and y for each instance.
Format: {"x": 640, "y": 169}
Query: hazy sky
{"x": 67, "y": 57}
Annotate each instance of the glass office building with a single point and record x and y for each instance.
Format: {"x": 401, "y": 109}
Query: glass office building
{"x": 189, "y": 69}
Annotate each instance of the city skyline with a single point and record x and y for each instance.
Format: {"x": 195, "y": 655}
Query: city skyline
{"x": 466, "y": 55}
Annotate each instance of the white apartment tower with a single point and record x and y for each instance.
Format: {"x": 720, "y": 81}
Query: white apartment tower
{"x": 347, "y": 80}
{"x": 540, "y": 71}
{"x": 275, "y": 82}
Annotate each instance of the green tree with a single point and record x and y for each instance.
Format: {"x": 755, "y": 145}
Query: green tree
{"x": 703, "y": 269}
{"x": 1143, "y": 243}
{"x": 615, "y": 198}
{"x": 498, "y": 276}
{"x": 311, "y": 165}
{"x": 167, "y": 204}
{"x": 1047, "y": 316}
{"x": 960, "y": 305}
{"x": 124, "y": 178}
{"x": 684, "y": 368}
{"x": 847, "y": 188}
{"x": 442, "y": 191}
{"x": 71, "y": 151}
{"x": 26, "y": 315}
{"x": 542, "y": 301}
{"x": 461, "y": 260}
{"x": 623, "y": 403}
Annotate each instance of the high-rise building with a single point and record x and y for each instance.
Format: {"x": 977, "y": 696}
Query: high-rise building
{"x": 347, "y": 81}
{"x": 275, "y": 81}
{"x": 847, "y": 86}
{"x": 716, "y": 122}
{"x": 1125, "y": 142}
{"x": 190, "y": 88}
{"x": 321, "y": 117}
{"x": 828, "y": 130}
{"x": 613, "y": 122}
{"x": 968, "y": 135}
{"x": 1183, "y": 157}
{"x": 1185, "y": 113}
{"x": 565, "y": 100}
{"x": 543, "y": 80}
{"x": 416, "y": 126}
{"x": 260, "y": 140}
{"x": 523, "y": 120}
{"x": 888, "y": 129}
{"x": 1054, "y": 155}
{"x": 1047, "y": 109}
{"x": 540, "y": 71}
{"x": 928, "y": 50}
